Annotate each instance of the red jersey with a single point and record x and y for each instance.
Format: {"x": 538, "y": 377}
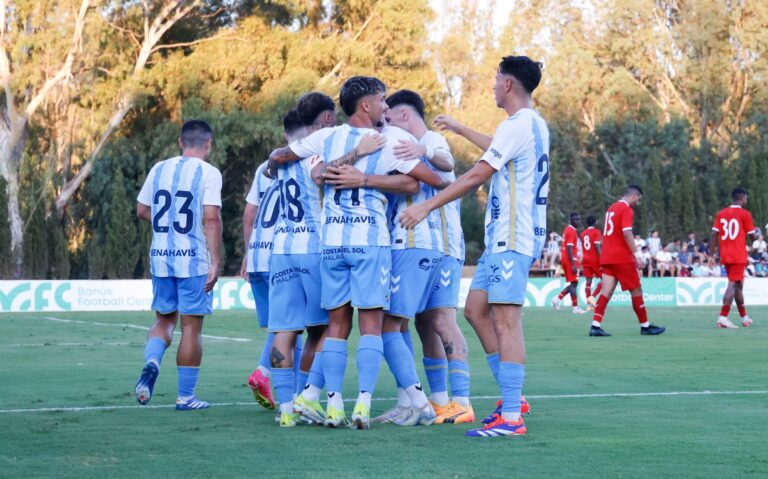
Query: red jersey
{"x": 732, "y": 225}
{"x": 589, "y": 238}
{"x": 618, "y": 219}
{"x": 570, "y": 238}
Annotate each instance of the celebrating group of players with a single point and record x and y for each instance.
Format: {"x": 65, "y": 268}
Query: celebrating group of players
{"x": 365, "y": 215}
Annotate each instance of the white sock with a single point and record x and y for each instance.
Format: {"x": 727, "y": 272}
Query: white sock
{"x": 417, "y": 396}
{"x": 510, "y": 416}
{"x": 264, "y": 371}
{"x": 364, "y": 399}
{"x": 154, "y": 361}
{"x": 461, "y": 400}
{"x": 311, "y": 393}
{"x": 402, "y": 398}
{"x": 645, "y": 324}
{"x": 439, "y": 398}
{"x": 286, "y": 408}
{"x": 597, "y": 324}
{"x": 335, "y": 400}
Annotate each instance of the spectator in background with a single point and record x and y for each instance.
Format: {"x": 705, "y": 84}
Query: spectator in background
{"x": 759, "y": 248}
{"x": 682, "y": 252}
{"x": 713, "y": 269}
{"x": 552, "y": 255}
{"x": 704, "y": 250}
{"x": 698, "y": 270}
{"x": 645, "y": 257}
{"x": 639, "y": 243}
{"x": 664, "y": 263}
{"x": 690, "y": 245}
{"x": 685, "y": 271}
{"x": 654, "y": 243}
{"x": 761, "y": 268}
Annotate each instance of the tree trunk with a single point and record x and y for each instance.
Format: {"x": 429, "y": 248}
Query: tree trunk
{"x": 17, "y": 234}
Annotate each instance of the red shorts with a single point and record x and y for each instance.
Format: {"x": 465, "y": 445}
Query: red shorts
{"x": 625, "y": 273}
{"x": 735, "y": 271}
{"x": 592, "y": 270}
{"x": 568, "y": 271}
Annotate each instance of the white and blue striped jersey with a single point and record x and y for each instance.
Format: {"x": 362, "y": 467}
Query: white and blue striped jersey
{"x": 450, "y": 214}
{"x": 516, "y": 214}
{"x": 265, "y": 194}
{"x": 176, "y": 190}
{"x": 298, "y": 228}
{"x": 354, "y": 217}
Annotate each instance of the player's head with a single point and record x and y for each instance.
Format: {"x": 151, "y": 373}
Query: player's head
{"x": 591, "y": 220}
{"x": 364, "y": 96}
{"x": 517, "y": 76}
{"x": 293, "y": 128}
{"x": 196, "y": 138}
{"x": 405, "y": 108}
{"x": 316, "y": 110}
{"x": 575, "y": 219}
{"x": 739, "y": 196}
{"x": 633, "y": 194}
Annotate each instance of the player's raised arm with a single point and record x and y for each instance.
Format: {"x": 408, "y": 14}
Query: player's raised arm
{"x": 348, "y": 177}
{"x": 447, "y": 123}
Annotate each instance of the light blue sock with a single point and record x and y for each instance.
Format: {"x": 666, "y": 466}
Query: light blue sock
{"x": 301, "y": 376}
{"x": 334, "y": 363}
{"x": 437, "y": 374}
{"x": 316, "y": 377}
{"x": 283, "y": 382}
{"x": 369, "y": 352}
{"x": 264, "y": 359}
{"x": 459, "y": 374}
{"x": 511, "y": 377}
{"x": 154, "y": 350}
{"x": 399, "y": 360}
{"x": 409, "y": 342}
{"x": 301, "y": 380}
{"x": 187, "y": 380}
{"x": 493, "y": 363}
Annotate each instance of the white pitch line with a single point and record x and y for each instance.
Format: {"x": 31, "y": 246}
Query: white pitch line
{"x": 40, "y": 345}
{"x": 143, "y": 328}
{"x": 551, "y": 396}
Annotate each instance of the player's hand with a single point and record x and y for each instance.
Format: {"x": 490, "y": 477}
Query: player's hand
{"x": 271, "y": 170}
{"x": 344, "y": 177}
{"x": 446, "y": 123}
{"x": 408, "y": 150}
{"x": 370, "y": 143}
{"x": 213, "y": 276}
{"x": 574, "y": 269}
{"x": 244, "y": 268}
{"x": 413, "y": 215}
{"x": 639, "y": 263}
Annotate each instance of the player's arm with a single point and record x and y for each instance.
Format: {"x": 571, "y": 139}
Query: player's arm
{"x": 569, "y": 249}
{"x": 424, "y": 174}
{"x": 629, "y": 238}
{"x": 469, "y": 181}
{"x": 369, "y": 143}
{"x": 249, "y": 218}
{"x": 438, "y": 157}
{"x": 279, "y": 157}
{"x": 598, "y": 248}
{"x": 349, "y": 177}
{"x": 213, "y": 230}
{"x": 143, "y": 212}
{"x": 447, "y": 123}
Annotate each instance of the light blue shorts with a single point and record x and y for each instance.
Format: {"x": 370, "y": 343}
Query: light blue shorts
{"x": 294, "y": 292}
{"x": 185, "y": 295}
{"x": 504, "y": 276}
{"x": 445, "y": 292}
{"x": 260, "y": 288}
{"x": 359, "y": 274}
{"x": 414, "y": 272}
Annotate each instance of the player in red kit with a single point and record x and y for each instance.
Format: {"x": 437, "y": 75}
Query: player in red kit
{"x": 732, "y": 225}
{"x": 570, "y": 260}
{"x": 620, "y": 263}
{"x": 591, "y": 241}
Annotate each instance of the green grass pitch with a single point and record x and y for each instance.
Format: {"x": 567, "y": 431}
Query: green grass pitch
{"x": 581, "y": 424}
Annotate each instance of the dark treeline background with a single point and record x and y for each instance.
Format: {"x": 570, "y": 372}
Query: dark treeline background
{"x": 667, "y": 94}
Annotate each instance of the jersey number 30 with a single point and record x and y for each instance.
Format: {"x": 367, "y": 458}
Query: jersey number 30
{"x": 730, "y": 229}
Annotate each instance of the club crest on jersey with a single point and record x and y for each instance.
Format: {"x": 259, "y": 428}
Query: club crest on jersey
{"x": 424, "y": 264}
{"x": 495, "y": 208}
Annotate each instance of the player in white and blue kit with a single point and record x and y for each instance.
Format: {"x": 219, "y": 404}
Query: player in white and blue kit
{"x": 517, "y": 163}
{"x": 181, "y": 199}
{"x": 356, "y": 255}
{"x": 261, "y": 214}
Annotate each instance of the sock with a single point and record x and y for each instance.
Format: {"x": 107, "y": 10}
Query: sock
{"x": 264, "y": 359}
{"x": 742, "y": 310}
{"x": 588, "y": 288}
{"x": 188, "y": 381}
{"x": 725, "y": 310}
{"x": 574, "y": 298}
{"x": 598, "y": 289}
{"x": 301, "y": 380}
{"x": 369, "y": 353}
{"x": 563, "y": 292}
{"x": 316, "y": 377}
{"x": 639, "y": 306}
{"x": 334, "y": 364}
{"x": 408, "y": 341}
{"x": 402, "y": 398}
{"x": 286, "y": 407}
{"x": 417, "y": 396}
{"x": 154, "y": 350}
{"x": 283, "y": 381}
{"x": 437, "y": 376}
{"x": 602, "y": 303}
{"x": 493, "y": 363}
{"x": 335, "y": 400}
{"x": 511, "y": 376}
{"x": 596, "y": 324}
{"x": 440, "y": 398}
{"x": 399, "y": 359}
{"x": 364, "y": 398}
{"x": 459, "y": 374}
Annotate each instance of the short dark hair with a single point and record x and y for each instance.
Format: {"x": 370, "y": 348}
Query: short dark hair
{"x": 633, "y": 189}
{"x": 310, "y": 105}
{"x": 407, "y": 97}
{"x": 738, "y": 194}
{"x": 292, "y": 122}
{"x": 591, "y": 220}
{"x": 525, "y": 70}
{"x": 356, "y": 88}
{"x": 195, "y": 133}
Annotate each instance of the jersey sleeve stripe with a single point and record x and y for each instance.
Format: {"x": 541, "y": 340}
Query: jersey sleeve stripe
{"x": 512, "y": 182}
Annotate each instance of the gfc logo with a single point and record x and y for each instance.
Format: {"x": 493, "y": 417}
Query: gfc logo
{"x": 704, "y": 292}
{"x": 35, "y": 296}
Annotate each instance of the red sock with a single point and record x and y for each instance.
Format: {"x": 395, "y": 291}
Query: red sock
{"x": 742, "y": 310}
{"x": 639, "y": 306}
{"x": 599, "y": 288}
{"x": 602, "y": 303}
{"x": 574, "y": 298}
{"x": 588, "y": 288}
{"x": 563, "y": 292}
{"x": 725, "y": 310}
